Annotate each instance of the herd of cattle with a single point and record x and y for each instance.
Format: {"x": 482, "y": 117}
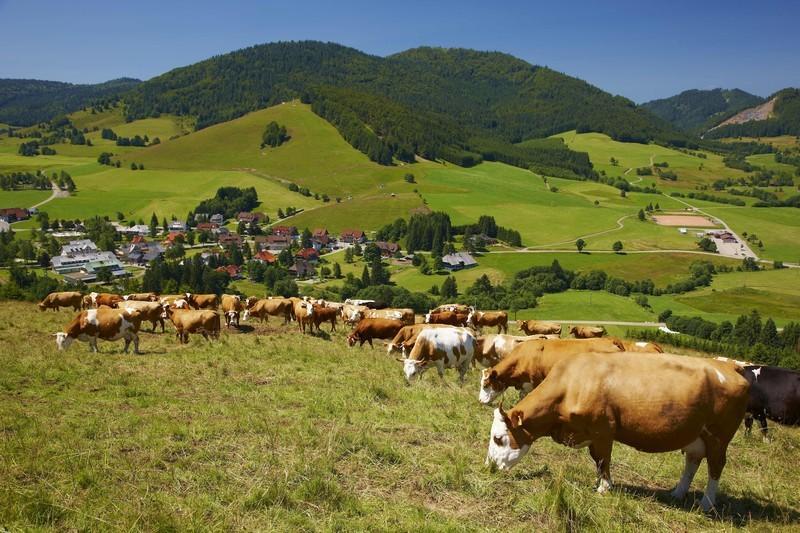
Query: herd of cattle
{"x": 590, "y": 390}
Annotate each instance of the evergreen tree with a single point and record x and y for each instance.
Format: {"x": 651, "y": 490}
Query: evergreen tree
{"x": 365, "y": 279}
{"x": 379, "y": 275}
{"x": 769, "y": 335}
{"x": 580, "y": 244}
{"x": 449, "y": 288}
{"x": 305, "y": 239}
{"x": 337, "y": 271}
{"x": 153, "y": 225}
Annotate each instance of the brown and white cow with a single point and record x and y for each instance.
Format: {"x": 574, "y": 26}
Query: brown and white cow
{"x": 93, "y": 300}
{"x": 262, "y": 308}
{"x": 404, "y": 341}
{"x": 405, "y": 315}
{"x": 451, "y": 318}
{"x": 150, "y": 311}
{"x": 352, "y": 313}
{"x": 456, "y": 308}
{"x": 203, "y": 321}
{"x": 494, "y": 347}
{"x": 692, "y": 404}
{"x": 57, "y": 300}
{"x": 232, "y": 307}
{"x": 169, "y": 299}
{"x": 202, "y": 301}
{"x": 103, "y": 323}
{"x": 479, "y": 319}
{"x": 141, "y": 297}
{"x": 443, "y": 348}
{"x": 525, "y": 367}
{"x": 537, "y": 327}
{"x": 368, "y": 329}
{"x": 587, "y": 332}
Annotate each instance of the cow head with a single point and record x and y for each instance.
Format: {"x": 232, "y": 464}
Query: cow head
{"x": 63, "y": 340}
{"x": 490, "y": 387}
{"x": 42, "y": 307}
{"x": 573, "y": 330}
{"x": 412, "y": 368}
{"x": 246, "y": 315}
{"x": 250, "y": 302}
{"x": 508, "y": 442}
{"x": 353, "y": 339}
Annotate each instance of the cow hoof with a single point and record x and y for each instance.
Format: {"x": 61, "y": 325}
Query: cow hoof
{"x": 678, "y": 493}
{"x": 707, "y": 505}
{"x": 603, "y": 487}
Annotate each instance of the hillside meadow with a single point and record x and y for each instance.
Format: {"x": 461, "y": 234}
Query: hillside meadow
{"x": 267, "y": 429}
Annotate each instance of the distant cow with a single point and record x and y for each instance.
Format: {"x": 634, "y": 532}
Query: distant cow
{"x": 479, "y": 319}
{"x": 232, "y": 306}
{"x": 586, "y": 332}
{"x": 774, "y": 395}
{"x": 104, "y": 323}
{"x": 57, "y": 300}
{"x": 141, "y": 297}
{"x": 653, "y": 404}
{"x": 262, "y": 308}
{"x": 536, "y": 327}
{"x": 442, "y": 348}
{"x": 204, "y": 322}
{"x": 642, "y": 346}
{"x": 374, "y": 328}
{"x": 150, "y": 311}
{"x": 93, "y": 300}
{"x": 322, "y": 314}
{"x": 457, "y": 308}
{"x": 202, "y": 301}
{"x": 404, "y": 341}
{"x": 169, "y": 299}
{"x": 451, "y": 318}
{"x": 405, "y": 315}
{"x": 493, "y": 348}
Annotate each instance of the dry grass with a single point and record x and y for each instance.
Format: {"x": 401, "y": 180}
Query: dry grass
{"x": 266, "y": 429}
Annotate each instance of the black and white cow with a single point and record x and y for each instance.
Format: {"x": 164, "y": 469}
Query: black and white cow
{"x": 774, "y": 395}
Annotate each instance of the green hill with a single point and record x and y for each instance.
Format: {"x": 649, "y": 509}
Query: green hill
{"x": 784, "y": 119}
{"x": 695, "y": 109}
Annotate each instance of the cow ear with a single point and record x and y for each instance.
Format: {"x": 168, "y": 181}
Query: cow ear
{"x": 514, "y": 419}
{"x": 493, "y": 374}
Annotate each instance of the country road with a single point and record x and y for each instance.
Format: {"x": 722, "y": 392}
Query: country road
{"x": 57, "y": 193}
{"x": 608, "y": 323}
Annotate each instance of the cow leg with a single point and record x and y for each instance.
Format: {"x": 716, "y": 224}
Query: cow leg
{"x": 136, "y": 344}
{"x": 93, "y": 344}
{"x": 762, "y": 421}
{"x": 693, "y": 455}
{"x": 369, "y": 340}
{"x": 601, "y": 453}
{"x": 748, "y": 424}
{"x": 716, "y": 458}
{"x": 163, "y": 329}
{"x": 127, "y": 344}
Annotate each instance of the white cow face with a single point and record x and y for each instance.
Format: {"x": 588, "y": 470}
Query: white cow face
{"x": 487, "y": 392}
{"x": 413, "y": 369}
{"x": 63, "y": 340}
{"x": 503, "y": 448}
{"x": 246, "y": 315}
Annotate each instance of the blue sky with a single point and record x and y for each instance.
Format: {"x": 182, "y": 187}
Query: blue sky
{"x": 642, "y": 50}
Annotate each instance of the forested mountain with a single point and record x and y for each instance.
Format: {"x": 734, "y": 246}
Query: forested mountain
{"x": 454, "y": 104}
{"x": 28, "y": 102}
{"x": 696, "y": 110}
{"x": 784, "y": 119}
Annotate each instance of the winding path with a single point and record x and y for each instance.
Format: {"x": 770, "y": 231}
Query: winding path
{"x": 57, "y": 193}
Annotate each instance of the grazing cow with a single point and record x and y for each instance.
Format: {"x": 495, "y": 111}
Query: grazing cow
{"x": 187, "y": 321}
{"x": 169, "y": 299}
{"x": 404, "y": 341}
{"x": 57, "y": 300}
{"x": 404, "y": 315}
{"x": 774, "y": 395}
{"x": 103, "y": 323}
{"x": 456, "y": 308}
{"x": 202, "y": 301}
{"x": 536, "y": 327}
{"x": 451, "y": 318}
{"x": 263, "y": 307}
{"x": 374, "y": 328}
{"x": 442, "y": 347}
{"x": 141, "y": 297}
{"x": 692, "y": 404}
{"x": 642, "y": 346}
{"x": 526, "y": 366}
{"x": 492, "y": 348}
{"x": 586, "y": 332}
{"x": 352, "y": 313}
{"x": 479, "y": 319}
{"x": 322, "y": 314}
{"x": 232, "y": 306}
{"x": 150, "y": 311}
{"x": 93, "y": 300}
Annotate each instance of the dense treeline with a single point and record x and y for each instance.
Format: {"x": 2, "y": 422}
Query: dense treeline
{"x": 698, "y": 110}
{"x": 170, "y": 277}
{"x": 428, "y": 232}
{"x": 785, "y": 122}
{"x": 229, "y": 201}
{"x": 24, "y": 180}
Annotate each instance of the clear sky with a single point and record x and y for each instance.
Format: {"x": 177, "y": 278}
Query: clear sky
{"x": 642, "y": 50}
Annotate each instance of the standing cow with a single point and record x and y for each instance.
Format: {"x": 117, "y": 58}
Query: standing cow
{"x": 443, "y": 348}
{"x": 404, "y": 341}
{"x": 493, "y": 348}
{"x": 93, "y": 300}
{"x": 204, "y": 322}
{"x": 150, "y": 311}
{"x": 262, "y": 308}
{"x": 693, "y": 404}
{"x": 202, "y": 301}
{"x": 479, "y": 319}
{"x": 774, "y": 395}
{"x": 104, "y": 323}
{"x": 374, "y": 328}
{"x": 57, "y": 300}
{"x": 141, "y": 297}
{"x": 451, "y": 318}
{"x": 322, "y": 313}
{"x": 232, "y": 307}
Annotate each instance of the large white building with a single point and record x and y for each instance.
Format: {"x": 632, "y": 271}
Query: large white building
{"x": 81, "y": 259}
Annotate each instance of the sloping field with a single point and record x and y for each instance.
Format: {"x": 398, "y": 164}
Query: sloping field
{"x": 777, "y": 227}
{"x": 22, "y": 198}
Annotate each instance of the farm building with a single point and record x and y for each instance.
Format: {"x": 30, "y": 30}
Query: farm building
{"x": 13, "y": 214}
{"x": 353, "y": 236}
{"x": 458, "y": 261}
{"x": 80, "y": 260}
{"x": 388, "y": 249}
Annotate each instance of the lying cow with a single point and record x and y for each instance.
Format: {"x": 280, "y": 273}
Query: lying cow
{"x": 232, "y": 306}
{"x": 57, "y": 300}
{"x": 262, "y": 308}
{"x": 150, "y": 311}
{"x": 374, "y": 328}
{"x": 526, "y": 366}
{"x": 93, "y": 300}
{"x": 202, "y": 301}
{"x": 493, "y": 348}
{"x": 450, "y": 318}
{"x": 536, "y": 327}
{"x": 442, "y": 347}
{"x": 774, "y": 395}
{"x": 404, "y": 315}
{"x": 479, "y": 319}
{"x": 642, "y": 346}
{"x": 404, "y": 341}
{"x": 693, "y": 404}
{"x": 587, "y": 332}
{"x": 104, "y": 323}
{"x": 141, "y": 297}
{"x": 204, "y": 322}
{"x": 457, "y": 308}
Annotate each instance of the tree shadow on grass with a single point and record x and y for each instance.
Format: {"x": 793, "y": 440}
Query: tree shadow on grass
{"x": 741, "y": 511}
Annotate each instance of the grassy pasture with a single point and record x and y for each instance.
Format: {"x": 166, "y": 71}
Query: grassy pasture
{"x": 368, "y": 212}
{"x": 22, "y": 197}
{"x": 768, "y": 161}
{"x": 270, "y": 430}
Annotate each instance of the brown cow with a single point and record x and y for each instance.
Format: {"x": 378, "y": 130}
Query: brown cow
{"x": 202, "y": 301}
{"x": 232, "y": 306}
{"x": 587, "y": 332}
{"x": 141, "y": 297}
{"x": 479, "y": 319}
{"x": 641, "y": 346}
{"x": 187, "y": 321}
{"x": 104, "y": 323}
{"x": 457, "y": 308}
{"x": 93, "y": 300}
{"x": 263, "y": 307}
{"x": 374, "y": 328}
{"x": 57, "y": 300}
{"x": 300, "y": 311}
{"x": 691, "y": 404}
{"x": 150, "y": 311}
{"x": 536, "y": 327}
{"x": 451, "y": 318}
{"x": 404, "y": 341}
{"x": 405, "y": 315}
{"x": 492, "y": 348}
{"x": 169, "y": 299}
{"x": 320, "y": 314}
{"x": 522, "y": 368}
{"x": 442, "y": 347}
